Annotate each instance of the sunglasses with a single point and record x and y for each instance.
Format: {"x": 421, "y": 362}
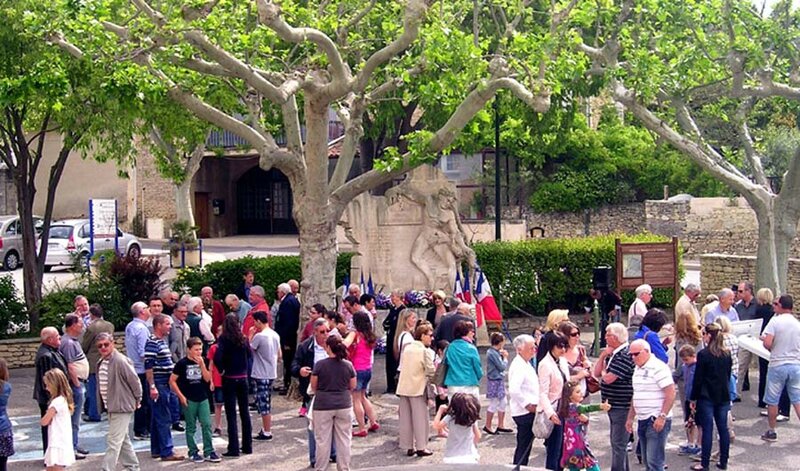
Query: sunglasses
{"x": 635, "y": 354}
{"x": 103, "y": 345}
{"x": 323, "y": 331}
{"x": 574, "y": 334}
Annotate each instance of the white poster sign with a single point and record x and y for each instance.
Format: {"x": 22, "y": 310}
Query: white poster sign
{"x": 103, "y": 218}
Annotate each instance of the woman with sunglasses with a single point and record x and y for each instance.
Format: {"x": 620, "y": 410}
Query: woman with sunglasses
{"x": 578, "y": 361}
{"x": 710, "y": 395}
{"x": 553, "y": 372}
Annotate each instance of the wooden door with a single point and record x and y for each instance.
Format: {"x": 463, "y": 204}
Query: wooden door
{"x": 201, "y": 212}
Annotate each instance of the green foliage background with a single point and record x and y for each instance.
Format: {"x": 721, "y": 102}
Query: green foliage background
{"x": 538, "y": 275}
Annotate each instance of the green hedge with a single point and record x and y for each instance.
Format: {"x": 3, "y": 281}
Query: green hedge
{"x": 537, "y": 275}
{"x": 13, "y": 313}
{"x": 225, "y": 276}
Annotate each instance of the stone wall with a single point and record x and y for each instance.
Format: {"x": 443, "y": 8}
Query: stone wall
{"x": 21, "y": 353}
{"x": 8, "y": 193}
{"x": 719, "y": 271}
{"x": 150, "y": 191}
{"x": 623, "y": 218}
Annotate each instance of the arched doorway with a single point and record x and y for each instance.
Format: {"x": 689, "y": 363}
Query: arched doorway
{"x": 264, "y": 202}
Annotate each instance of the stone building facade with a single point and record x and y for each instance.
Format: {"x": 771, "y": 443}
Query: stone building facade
{"x": 719, "y": 271}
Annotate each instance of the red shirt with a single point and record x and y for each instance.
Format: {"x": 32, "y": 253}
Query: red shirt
{"x": 308, "y": 331}
{"x": 216, "y": 378}
{"x": 248, "y": 319}
{"x": 217, "y": 316}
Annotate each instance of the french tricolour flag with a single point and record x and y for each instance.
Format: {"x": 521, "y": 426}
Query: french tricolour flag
{"x": 486, "y": 307}
{"x": 458, "y": 291}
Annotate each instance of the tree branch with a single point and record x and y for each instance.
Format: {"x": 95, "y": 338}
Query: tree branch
{"x": 344, "y": 30}
{"x": 269, "y": 15}
{"x": 747, "y": 143}
{"x": 472, "y": 104}
{"x": 691, "y": 149}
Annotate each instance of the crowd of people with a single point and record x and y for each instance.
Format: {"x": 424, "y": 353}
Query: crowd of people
{"x": 188, "y": 358}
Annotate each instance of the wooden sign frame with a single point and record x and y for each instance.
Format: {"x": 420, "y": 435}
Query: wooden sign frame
{"x": 652, "y": 263}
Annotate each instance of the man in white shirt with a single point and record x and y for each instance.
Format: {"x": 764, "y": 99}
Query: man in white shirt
{"x": 782, "y": 338}
{"x": 523, "y": 386}
{"x": 644, "y": 294}
{"x": 653, "y": 395}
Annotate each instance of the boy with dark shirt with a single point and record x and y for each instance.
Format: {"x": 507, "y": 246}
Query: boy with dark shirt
{"x": 190, "y": 382}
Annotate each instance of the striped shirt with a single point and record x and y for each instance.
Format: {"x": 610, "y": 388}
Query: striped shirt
{"x": 158, "y": 358}
{"x": 102, "y": 380}
{"x": 649, "y": 382}
{"x": 620, "y": 392}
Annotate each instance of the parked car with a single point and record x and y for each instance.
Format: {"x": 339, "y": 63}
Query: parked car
{"x": 69, "y": 239}
{"x": 11, "y": 240}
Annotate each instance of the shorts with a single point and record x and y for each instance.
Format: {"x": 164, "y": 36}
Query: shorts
{"x": 497, "y": 404}
{"x": 263, "y": 396}
{"x": 218, "y": 397}
{"x": 779, "y": 377}
{"x": 362, "y": 379}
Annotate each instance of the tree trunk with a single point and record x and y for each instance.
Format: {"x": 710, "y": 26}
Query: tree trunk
{"x": 31, "y": 270}
{"x": 318, "y": 253}
{"x": 183, "y": 200}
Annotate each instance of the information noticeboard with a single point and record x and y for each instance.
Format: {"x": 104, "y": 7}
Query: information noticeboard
{"x": 653, "y": 263}
{"x": 102, "y": 221}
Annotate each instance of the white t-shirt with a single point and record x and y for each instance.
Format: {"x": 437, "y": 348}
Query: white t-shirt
{"x": 649, "y": 382}
{"x": 786, "y": 341}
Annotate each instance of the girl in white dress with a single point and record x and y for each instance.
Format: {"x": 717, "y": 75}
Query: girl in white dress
{"x": 59, "y": 452}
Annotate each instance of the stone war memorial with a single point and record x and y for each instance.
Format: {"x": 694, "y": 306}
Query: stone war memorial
{"x": 410, "y": 238}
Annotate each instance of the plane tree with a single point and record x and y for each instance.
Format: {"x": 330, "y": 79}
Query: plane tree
{"x": 261, "y": 69}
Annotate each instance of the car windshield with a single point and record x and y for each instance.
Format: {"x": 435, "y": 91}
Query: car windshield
{"x": 60, "y": 232}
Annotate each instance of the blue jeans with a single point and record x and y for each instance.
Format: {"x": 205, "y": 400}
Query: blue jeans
{"x": 77, "y": 397}
{"x": 175, "y": 408}
{"x": 160, "y": 422}
{"x": 552, "y": 445}
{"x": 653, "y": 443}
{"x": 91, "y": 398}
{"x": 312, "y": 448}
{"x": 707, "y": 414}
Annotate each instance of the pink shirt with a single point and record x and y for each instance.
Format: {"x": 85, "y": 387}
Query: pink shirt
{"x": 361, "y": 354}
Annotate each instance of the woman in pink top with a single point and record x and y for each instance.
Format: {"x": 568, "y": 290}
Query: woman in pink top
{"x": 361, "y": 343}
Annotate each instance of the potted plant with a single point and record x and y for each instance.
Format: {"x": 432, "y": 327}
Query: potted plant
{"x": 184, "y": 248}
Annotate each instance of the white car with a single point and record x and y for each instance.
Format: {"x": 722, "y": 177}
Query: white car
{"x": 11, "y": 253}
{"x": 70, "y": 238}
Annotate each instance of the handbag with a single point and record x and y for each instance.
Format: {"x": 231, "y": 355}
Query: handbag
{"x": 441, "y": 371}
{"x": 592, "y": 384}
{"x": 542, "y": 426}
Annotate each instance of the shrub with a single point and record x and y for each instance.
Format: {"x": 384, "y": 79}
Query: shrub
{"x": 537, "y": 275}
{"x": 119, "y": 281}
{"x": 225, "y": 276}
{"x": 13, "y": 314}
{"x": 104, "y": 291}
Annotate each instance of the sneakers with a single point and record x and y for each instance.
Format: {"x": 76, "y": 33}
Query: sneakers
{"x": 178, "y": 427}
{"x": 217, "y": 432}
{"x": 303, "y": 411}
{"x": 686, "y": 450}
{"x": 263, "y": 436}
{"x": 196, "y": 458}
{"x": 629, "y": 447}
{"x": 213, "y": 457}
{"x": 142, "y": 437}
{"x": 769, "y": 436}
{"x": 780, "y": 417}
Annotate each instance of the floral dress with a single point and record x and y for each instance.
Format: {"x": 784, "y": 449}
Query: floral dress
{"x": 576, "y": 453}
